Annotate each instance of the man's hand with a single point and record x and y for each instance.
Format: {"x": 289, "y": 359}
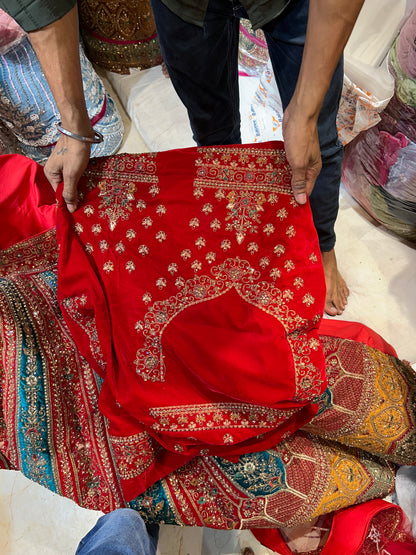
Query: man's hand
{"x": 57, "y": 48}
{"x": 67, "y": 163}
{"x": 302, "y": 152}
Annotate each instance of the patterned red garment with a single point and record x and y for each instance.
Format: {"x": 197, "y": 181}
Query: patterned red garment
{"x": 191, "y": 282}
{"x": 372, "y": 528}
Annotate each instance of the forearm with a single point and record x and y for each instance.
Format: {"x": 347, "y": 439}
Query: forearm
{"x": 57, "y": 47}
{"x": 330, "y": 23}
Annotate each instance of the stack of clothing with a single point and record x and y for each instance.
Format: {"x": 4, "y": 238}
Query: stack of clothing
{"x": 380, "y": 164}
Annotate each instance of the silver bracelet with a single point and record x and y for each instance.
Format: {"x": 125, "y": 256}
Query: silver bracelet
{"x": 98, "y": 138}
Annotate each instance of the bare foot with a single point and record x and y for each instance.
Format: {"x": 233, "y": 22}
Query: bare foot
{"x": 165, "y": 70}
{"x": 336, "y": 289}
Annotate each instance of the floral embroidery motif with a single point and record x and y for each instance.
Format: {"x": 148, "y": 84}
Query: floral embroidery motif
{"x": 298, "y": 282}
{"x": 215, "y": 225}
{"x": 116, "y": 200}
{"x": 140, "y": 205}
{"x": 147, "y": 222}
{"x": 89, "y": 210}
{"x": 275, "y": 273}
{"x": 308, "y": 299}
{"x": 161, "y": 283}
{"x": 279, "y": 250}
{"x": 207, "y": 209}
{"x": 103, "y": 245}
{"x": 252, "y": 248}
{"x": 248, "y": 182}
{"x": 226, "y": 244}
{"x": 290, "y": 232}
{"x": 185, "y": 254}
{"x": 282, "y": 214}
{"x": 160, "y": 209}
{"x": 194, "y": 223}
{"x": 244, "y": 211}
{"x": 200, "y": 242}
{"x": 147, "y": 297}
{"x": 134, "y": 454}
{"x": 232, "y": 273}
{"x": 161, "y": 236}
{"x": 130, "y": 234}
{"x": 120, "y": 248}
{"x": 268, "y": 229}
{"x": 143, "y": 250}
{"x": 264, "y": 262}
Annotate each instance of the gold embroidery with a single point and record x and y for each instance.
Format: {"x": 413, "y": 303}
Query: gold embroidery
{"x": 247, "y": 181}
{"x": 216, "y": 416}
{"x": 200, "y": 242}
{"x": 120, "y": 248}
{"x": 207, "y": 208}
{"x": 134, "y": 454}
{"x": 215, "y": 225}
{"x": 143, "y": 250}
{"x": 279, "y": 250}
{"x": 116, "y": 200}
{"x": 147, "y": 222}
{"x": 78, "y": 228}
{"x": 37, "y": 253}
{"x": 160, "y": 236}
{"x": 232, "y": 273}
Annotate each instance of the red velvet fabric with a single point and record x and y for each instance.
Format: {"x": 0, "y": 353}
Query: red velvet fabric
{"x": 191, "y": 281}
{"x": 28, "y": 196}
{"x": 365, "y": 529}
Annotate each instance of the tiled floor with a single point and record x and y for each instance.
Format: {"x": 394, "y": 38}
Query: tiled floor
{"x": 381, "y": 272}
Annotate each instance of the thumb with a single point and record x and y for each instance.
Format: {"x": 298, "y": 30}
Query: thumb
{"x": 69, "y": 194}
{"x": 299, "y": 186}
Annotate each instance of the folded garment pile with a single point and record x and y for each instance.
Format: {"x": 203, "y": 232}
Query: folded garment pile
{"x": 380, "y": 164}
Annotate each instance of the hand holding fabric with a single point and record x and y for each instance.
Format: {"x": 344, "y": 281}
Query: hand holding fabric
{"x": 302, "y": 151}
{"x": 67, "y": 163}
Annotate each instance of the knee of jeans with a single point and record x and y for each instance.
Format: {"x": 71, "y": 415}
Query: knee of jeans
{"x": 126, "y": 517}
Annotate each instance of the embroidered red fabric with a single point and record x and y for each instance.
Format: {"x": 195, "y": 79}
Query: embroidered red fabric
{"x": 374, "y": 527}
{"x": 195, "y": 291}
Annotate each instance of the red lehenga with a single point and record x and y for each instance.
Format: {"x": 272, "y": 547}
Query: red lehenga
{"x": 192, "y": 291}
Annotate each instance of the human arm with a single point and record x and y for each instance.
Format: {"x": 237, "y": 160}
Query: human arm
{"x": 57, "y": 47}
{"x": 330, "y": 23}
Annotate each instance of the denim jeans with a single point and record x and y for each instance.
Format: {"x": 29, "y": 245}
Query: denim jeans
{"x": 121, "y": 532}
{"x": 203, "y": 66}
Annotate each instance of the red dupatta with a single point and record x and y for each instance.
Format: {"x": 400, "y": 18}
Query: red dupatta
{"x": 191, "y": 281}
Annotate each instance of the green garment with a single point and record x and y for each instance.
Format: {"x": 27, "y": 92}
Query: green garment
{"x": 35, "y": 14}
{"x": 259, "y": 12}
{"x": 405, "y": 85}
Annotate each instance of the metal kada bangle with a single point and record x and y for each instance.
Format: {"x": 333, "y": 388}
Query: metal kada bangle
{"x": 98, "y": 138}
